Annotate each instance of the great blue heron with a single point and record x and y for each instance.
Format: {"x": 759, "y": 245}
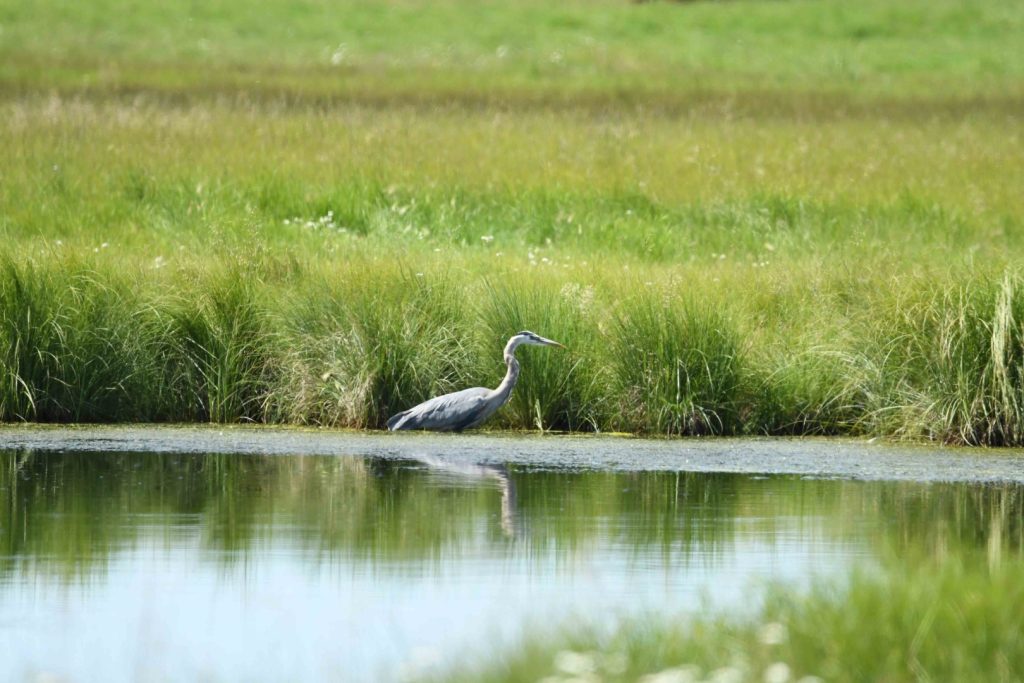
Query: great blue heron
{"x": 469, "y": 407}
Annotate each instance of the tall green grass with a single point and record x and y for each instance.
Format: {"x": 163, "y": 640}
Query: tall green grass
{"x": 557, "y": 389}
{"x": 267, "y": 338}
{"x": 370, "y": 345}
{"x": 678, "y": 367}
{"x": 947, "y": 362}
{"x": 215, "y": 348}
{"x": 74, "y": 346}
{"x": 955, "y": 621}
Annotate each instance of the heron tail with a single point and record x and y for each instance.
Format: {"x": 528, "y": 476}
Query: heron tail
{"x": 395, "y": 422}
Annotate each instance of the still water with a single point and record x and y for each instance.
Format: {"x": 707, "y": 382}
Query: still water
{"x": 143, "y": 566}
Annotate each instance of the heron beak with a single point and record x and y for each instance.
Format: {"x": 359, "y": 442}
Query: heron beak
{"x": 551, "y": 342}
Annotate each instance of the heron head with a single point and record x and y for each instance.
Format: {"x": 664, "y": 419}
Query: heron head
{"x": 527, "y": 337}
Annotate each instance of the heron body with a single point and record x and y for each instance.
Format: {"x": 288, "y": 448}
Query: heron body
{"x": 470, "y": 407}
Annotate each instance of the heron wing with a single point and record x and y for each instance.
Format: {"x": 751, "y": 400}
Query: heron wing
{"x": 454, "y": 411}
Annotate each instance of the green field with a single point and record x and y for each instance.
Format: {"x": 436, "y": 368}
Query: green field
{"x": 742, "y": 217}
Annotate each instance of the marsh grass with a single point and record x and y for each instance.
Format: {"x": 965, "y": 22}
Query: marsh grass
{"x": 407, "y": 339}
{"x": 374, "y": 343}
{"x": 677, "y": 367}
{"x": 74, "y": 346}
{"x": 217, "y": 349}
{"x": 257, "y": 337}
{"x": 805, "y": 388}
{"x": 954, "y": 621}
{"x": 947, "y": 362}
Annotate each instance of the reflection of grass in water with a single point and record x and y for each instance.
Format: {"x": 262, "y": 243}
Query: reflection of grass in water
{"x": 70, "y": 512}
{"x": 956, "y": 620}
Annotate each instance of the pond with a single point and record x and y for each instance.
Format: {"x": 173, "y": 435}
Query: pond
{"x": 136, "y": 555}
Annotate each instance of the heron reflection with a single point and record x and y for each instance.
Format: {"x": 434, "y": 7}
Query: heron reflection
{"x": 461, "y": 471}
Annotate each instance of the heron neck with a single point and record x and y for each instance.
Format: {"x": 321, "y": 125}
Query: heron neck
{"x": 504, "y": 389}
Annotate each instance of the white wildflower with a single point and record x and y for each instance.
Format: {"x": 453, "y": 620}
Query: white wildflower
{"x": 772, "y": 633}
{"x": 727, "y": 674}
{"x": 777, "y": 673}
{"x": 614, "y": 663}
{"x": 575, "y": 663}
{"x": 679, "y": 674}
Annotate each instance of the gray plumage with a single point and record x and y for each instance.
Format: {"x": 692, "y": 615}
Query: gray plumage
{"x": 470, "y": 407}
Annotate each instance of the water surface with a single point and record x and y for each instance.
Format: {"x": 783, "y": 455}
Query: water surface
{"x": 168, "y": 566}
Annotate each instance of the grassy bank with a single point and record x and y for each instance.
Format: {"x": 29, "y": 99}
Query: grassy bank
{"x": 952, "y": 622}
{"x": 321, "y": 214}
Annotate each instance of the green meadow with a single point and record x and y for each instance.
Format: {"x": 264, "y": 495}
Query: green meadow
{"x": 741, "y": 217}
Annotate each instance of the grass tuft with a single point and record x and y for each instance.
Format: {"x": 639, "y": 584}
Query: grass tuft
{"x": 74, "y": 345}
{"x": 678, "y": 367}
{"x": 218, "y": 351}
{"x": 949, "y": 362}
